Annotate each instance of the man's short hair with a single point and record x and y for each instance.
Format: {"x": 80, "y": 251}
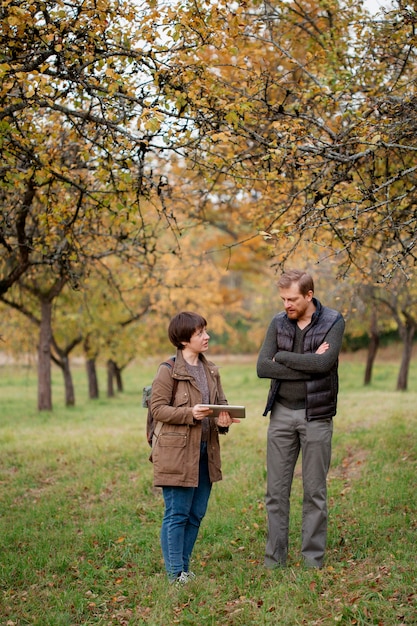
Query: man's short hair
{"x": 183, "y": 326}
{"x": 305, "y": 281}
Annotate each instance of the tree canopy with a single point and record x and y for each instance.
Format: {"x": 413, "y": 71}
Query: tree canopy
{"x": 142, "y": 142}
{"x": 299, "y": 116}
{"x": 307, "y": 108}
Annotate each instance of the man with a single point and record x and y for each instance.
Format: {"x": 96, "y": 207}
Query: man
{"x": 300, "y": 354}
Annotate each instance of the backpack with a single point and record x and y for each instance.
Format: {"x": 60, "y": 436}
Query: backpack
{"x": 146, "y": 402}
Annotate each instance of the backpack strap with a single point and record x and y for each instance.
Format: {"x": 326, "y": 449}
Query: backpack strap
{"x": 170, "y": 363}
{"x": 158, "y": 425}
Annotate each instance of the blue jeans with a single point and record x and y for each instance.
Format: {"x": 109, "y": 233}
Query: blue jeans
{"x": 185, "y": 508}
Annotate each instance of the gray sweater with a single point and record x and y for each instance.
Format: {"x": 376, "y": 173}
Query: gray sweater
{"x": 293, "y": 368}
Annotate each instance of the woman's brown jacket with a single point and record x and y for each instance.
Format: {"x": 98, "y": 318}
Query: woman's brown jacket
{"x": 176, "y": 442}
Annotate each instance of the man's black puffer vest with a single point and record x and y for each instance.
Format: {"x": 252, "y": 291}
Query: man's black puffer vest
{"x": 321, "y": 390}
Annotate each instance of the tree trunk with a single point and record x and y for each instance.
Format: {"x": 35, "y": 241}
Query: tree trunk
{"x": 118, "y": 375}
{"x": 372, "y": 348}
{"x": 44, "y": 358}
{"x": 110, "y": 378}
{"x": 69, "y": 386}
{"x": 407, "y": 335}
{"x": 93, "y": 392}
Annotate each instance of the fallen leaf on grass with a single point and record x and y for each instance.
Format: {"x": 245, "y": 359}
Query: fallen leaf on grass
{"x": 118, "y": 599}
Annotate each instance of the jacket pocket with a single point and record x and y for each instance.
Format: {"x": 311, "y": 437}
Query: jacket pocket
{"x": 173, "y": 440}
{"x": 170, "y": 452}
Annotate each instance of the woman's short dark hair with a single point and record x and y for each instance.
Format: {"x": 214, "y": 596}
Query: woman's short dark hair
{"x": 183, "y": 326}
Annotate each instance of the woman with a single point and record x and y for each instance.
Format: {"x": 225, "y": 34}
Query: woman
{"x": 186, "y": 450}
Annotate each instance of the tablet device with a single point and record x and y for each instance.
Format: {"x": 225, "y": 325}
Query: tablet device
{"x": 233, "y": 409}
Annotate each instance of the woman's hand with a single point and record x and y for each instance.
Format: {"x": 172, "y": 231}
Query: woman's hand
{"x": 225, "y": 420}
{"x": 200, "y": 411}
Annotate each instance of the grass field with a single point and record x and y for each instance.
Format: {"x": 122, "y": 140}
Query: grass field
{"x": 80, "y": 520}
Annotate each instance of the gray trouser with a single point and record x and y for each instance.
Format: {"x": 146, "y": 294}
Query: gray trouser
{"x": 289, "y": 432}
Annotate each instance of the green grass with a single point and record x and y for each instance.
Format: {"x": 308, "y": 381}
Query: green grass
{"x": 80, "y": 520}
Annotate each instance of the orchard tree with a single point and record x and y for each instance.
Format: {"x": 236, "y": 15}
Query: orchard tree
{"x": 308, "y": 108}
{"x": 80, "y": 140}
{"x": 400, "y": 301}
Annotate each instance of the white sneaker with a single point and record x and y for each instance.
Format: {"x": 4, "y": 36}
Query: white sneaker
{"x": 182, "y": 579}
{"x": 190, "y": 575}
